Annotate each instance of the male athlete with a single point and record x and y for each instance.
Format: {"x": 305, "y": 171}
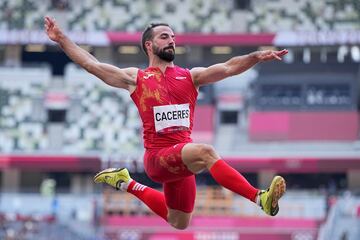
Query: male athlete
{"x": 165, "y": 96}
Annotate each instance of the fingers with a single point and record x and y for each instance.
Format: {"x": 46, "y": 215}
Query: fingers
{"x": 49, "y": 22}
{"x": 278, "y": 54}
{"x": 274, "y": 55}
{"x": 50, "y": 26}
{"x": 282, "y": 52}
{"x": 49, "y": 19}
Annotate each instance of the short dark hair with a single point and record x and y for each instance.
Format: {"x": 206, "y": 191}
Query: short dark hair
{"x": 148, "y": 34}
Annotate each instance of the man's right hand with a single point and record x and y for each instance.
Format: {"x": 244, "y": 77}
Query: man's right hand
{"x": 52, "y": 29}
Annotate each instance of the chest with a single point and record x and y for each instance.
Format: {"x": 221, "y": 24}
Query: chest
{"x": 167, "y": 88}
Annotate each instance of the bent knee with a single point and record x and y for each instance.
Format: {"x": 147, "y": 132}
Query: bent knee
{"x": 206, "y": 150}
{"x": 180, "y": 225}
{"x": 198, "y": 157}
{"x": 179, "y": 219}
{"x": 208, "y": 154}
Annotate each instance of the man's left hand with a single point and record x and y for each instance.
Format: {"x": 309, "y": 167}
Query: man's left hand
{"x": 268, "y": 55}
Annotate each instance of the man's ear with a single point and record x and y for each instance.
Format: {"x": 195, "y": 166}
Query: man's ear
{"x": 148, "y": 45}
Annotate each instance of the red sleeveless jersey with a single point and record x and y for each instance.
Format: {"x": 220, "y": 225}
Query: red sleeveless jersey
{"x": 166, "y": 103}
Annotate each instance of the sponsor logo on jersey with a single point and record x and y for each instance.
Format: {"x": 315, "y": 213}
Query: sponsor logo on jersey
{"x": 149, "y": 75}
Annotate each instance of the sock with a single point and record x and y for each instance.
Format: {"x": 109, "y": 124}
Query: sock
{"x": 231, "y": 179}
{"x": 124, "y": 185}
{"x": 154, "y": 199}
{"x": 257, "y": 199}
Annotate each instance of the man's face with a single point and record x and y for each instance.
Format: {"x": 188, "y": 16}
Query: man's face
{"x": 163, "y": 43}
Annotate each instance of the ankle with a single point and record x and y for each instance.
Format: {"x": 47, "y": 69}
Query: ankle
{"x": 125, "y": 185}
{"x": 258, "y": 197}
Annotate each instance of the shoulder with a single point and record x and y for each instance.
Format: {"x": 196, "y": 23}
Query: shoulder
{"x": 196, "y": 72}
{"x": 131, "y": 71}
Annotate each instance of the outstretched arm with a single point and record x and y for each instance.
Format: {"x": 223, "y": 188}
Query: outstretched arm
{"x": 114, "y": 76}
{"x": 234, "y": 66}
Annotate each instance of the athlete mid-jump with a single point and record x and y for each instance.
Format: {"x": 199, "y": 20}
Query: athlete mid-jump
{"x": 165, "y": 96}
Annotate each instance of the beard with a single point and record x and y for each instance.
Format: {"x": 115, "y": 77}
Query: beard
{"x": 163, "y": 54}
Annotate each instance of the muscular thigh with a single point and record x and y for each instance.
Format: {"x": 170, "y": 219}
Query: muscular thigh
{"x": 180, "y": 194}
{"x": 166, "y": 165}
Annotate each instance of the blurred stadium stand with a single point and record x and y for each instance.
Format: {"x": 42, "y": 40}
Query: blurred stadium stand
{"x": 299, "y": 118}
{"x": 191, "y": 16}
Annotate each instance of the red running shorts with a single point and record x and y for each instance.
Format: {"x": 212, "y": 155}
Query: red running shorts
{"x": 166, "y": 166}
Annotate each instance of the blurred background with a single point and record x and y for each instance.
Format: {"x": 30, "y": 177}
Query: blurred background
{"x": 299, "y": 118}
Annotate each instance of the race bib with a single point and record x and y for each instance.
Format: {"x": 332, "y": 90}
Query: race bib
{"x": 170, "y": 118}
